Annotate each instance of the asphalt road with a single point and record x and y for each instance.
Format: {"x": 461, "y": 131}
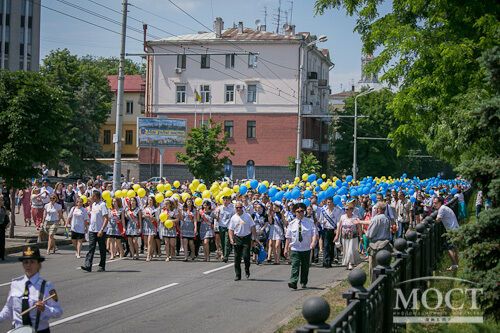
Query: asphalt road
{"x": 135, "y": 296}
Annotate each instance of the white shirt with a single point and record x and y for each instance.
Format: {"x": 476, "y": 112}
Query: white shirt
{"x": 225, "y": 214}
{"x": 13, "y": 306}
{"x": 325, "y": 216}
{"x": 447, "y": 216}
{"x": 52, "y": 212}
{"x": 241, "y": 224}
{"x": 46, "y": 196}
{"x": 78, "y": 217}
{"x": 99, "y": 210}
{"x": 309, "y": 230}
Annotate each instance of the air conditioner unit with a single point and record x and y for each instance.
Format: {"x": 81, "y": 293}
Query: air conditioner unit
{"x": 178, "y": 70}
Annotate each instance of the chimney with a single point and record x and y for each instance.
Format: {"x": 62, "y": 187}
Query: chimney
{"x": 289, "y": 29}
{"x": 352, "y": 88}
{"x": 240, "y": 27}
{"x": 263, "y": 27}
{"x": 218, "y": 27}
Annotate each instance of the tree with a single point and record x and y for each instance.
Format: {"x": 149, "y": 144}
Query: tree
{"x": 444, "y": 57}
{"x": 31, "y": 114}
{"x": 309, "y": 163}
{"x": 110, "y": 65}
{"x": 88, "y": 96}
{"x": 206, "y": 152}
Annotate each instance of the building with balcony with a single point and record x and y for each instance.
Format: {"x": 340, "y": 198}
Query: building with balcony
{"x": 19, "y": 35}
{"x": 134, "y": 87}
{"x": 251, "y": 81}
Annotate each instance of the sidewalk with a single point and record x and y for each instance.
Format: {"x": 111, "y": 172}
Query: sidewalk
{"x": 29, "y": 235}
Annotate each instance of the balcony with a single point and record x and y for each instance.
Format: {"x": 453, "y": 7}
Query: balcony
{"x": 312, "y": 110}
{"x": 322, "y": 83}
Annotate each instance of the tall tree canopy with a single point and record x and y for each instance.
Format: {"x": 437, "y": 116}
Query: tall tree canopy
{"x": 87, "y": 94}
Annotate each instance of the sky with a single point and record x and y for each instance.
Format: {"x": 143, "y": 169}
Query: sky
{"x": 60, "y": 31}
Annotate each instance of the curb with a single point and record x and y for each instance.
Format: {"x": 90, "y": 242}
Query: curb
{"x": 19, "y": 248}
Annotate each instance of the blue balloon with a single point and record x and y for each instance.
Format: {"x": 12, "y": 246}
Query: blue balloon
{"x": 319, "y": 181}
{"x": 366, "y": 190}
{"x": 295, "y": 194}
{"x": 454, "y": 191}
{"x": 373, "y": 196}
{"x": 317, "y": 189}
{"x": 411, "y": 192}
{"x": 279, "y": 196}
{"x": 413, "y": 199}
{"x": 307, "y": 194}
{"x": 243, "y": 190}
{"x": 337, "y": 200}
{"x": 262, "y": 189}
{"x": 354, "y": 193}
{"x": 273, "y": 191}
{"x": 287, "y": 195}
{"x": 344, "y": 198}
{"x": 254, "y": 183}
{"x": 338, "y": 183}
{"x": 348, "y": 178}
{"x": 431, "y": 192}
{"x": 307, "y": 202}
{"x": 311, "y": 178}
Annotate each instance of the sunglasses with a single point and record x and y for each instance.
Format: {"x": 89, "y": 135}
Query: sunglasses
{"x": 239, "y": 207}
{"x": 299, "y": 211}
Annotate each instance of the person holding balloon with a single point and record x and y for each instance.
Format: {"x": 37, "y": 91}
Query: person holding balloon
{"x": 149, "y": 224}
{"x": 276, "y": 232}
{"x": 116, "y": 228}
{"x": 188, "y": 226}
{"x": 207, "y": 216}
{"x": 168, "y": 219}
{"x": 133, "y": 217}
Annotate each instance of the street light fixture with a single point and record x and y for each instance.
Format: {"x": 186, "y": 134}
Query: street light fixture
{"x": 355, "y": 152}
{"x": 321, "y": 39}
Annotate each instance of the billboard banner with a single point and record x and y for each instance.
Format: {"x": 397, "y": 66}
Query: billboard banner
{"x": 161, "y": 132}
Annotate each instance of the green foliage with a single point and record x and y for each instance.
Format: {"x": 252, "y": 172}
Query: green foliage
{"x": 110, "y": 65}
{"x": 206, "y": 152}
{"x": 309, "y": 163}
{"x": 478, "y": 242}
{"x": 31, "y": 114}
{"x": 88, "y": 96}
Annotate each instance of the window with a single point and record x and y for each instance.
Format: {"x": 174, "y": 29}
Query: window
{"x": 230, "y": 60}
{"x": 205, "y": 93}
{"x": 252, "y": 60}
{"x": 106, "y": 137}
{"x": 228, "y": 169}
{"x": 252, "y": 93}
{"x": 204, "y": 123}
{"x": 251, "y": 129}
{"x": 250, "y": 169}
{"x": 129, "y": 137}
{"x": 130, "y": 107}
{"x": 229, "y": 128}
{"x": 229, "y": 95}
{"x": 181, "y": 61}
{"x": 205, "y": 61}
{"x": 180, "y": 92}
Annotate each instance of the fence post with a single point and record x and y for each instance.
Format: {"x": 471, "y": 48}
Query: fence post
{"x": 357, "y": 279}
{"x": 316, "y": 311}
{"x": 383, "y": 267}
{"x": 400, "y": 246}
{"x": 413, "y": 250}
{"x": 423, "y": 243}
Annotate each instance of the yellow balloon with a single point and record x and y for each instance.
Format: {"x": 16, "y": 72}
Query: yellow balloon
{"x": 236, "y": 188}
{"x": 168, "y": 194}
{"x": 177, "y": 184}
{"x": 265, "y": 182}
{"x": 136, "y": 187}
{"x": 223, "y": 185}
{"x": 167, "y": 187}
{"x": 84, "y": 199}
{"x": 247, "y": 184}
{"x": 296, "y": 180}
{"x": 185, "y": 196}
{"x": 163, "y": 216}
{"x": 131, "y": 194}
{"x": 160, "y": 187}
{"x": 198, "y": 201}
{"x": 108, "y": 203}
{"x": 227, "y": 192}
{"x": 323, "y": 186}
{"x": 195, "y": 183}
{"x": 141, "y": 192}
{"x": 176, "y": 196}
{"x": 159, "y": 197}
{"x": 304, "y": 176}
{"x": 205, "y": 194}
{"x": 106, "y": 195}
{"x": 168, "y": 224}
{"x": 118, "y": 194}
{"x": 323, "y": 176}
{"x": 201, "y": 187}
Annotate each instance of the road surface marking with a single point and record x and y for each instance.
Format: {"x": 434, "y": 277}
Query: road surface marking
{"x": 64, "y": 320}
{"x": 217, "y": 269}
{"x": 107, "y": 262}
{"x": 4, "y": 284}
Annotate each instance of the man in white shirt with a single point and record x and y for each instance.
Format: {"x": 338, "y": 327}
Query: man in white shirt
{"x": 46, "y": 191}
{"x": 447, "y": 217}
{"x": 97, "y": 227}
{"x": 241, "y": 232}
{"x": 301, "y": 237}
{"x": 224, "y": 214}
{"x": 328, "y": 218}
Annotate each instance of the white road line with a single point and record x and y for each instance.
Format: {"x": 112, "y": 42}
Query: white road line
{"x": 217, "y": 269}
{"x": 64, "y": 320}
{"x": 107, "y": 262}
{"x": 4, "y": 284}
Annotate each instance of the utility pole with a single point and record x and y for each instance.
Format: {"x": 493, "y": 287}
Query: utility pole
{"x": 117, "y": 138}
{"x": 355, "y": 152}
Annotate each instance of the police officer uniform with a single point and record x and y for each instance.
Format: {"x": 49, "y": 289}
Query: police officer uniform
{"x": 25, "y": 292}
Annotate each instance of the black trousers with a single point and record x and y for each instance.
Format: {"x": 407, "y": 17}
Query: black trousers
{"x": 93, "y": 240}
{"x": 2, "y": 243}
{"x": 242, "y": 250}
{"x": 328, "y": 247}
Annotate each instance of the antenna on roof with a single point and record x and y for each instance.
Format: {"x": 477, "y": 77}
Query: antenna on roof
{"x": 291, "y": 12}
{"x": 279, "y": 17}
{"x": 265, "y": 15}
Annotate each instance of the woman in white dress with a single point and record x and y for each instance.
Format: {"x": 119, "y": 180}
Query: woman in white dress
{"x": 349, "y": 230}
{"x": 276, "y": 232}
{"x": 78, "y": 220}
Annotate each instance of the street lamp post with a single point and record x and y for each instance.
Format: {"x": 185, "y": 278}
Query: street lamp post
{"x": 355, "y": 152}
{"x": 298, "y": 161}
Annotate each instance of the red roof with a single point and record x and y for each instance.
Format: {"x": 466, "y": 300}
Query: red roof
{"x": 133, "y": 83}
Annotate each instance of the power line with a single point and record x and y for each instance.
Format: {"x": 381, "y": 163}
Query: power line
{"x": 162, "y": 17}
{"x": 191, "y": 16}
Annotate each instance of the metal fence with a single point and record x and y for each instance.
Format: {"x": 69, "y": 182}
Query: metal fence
{"x": 371, "y": 309}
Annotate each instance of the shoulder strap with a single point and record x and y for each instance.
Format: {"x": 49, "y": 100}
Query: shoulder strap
{"x": 40, "y": 298}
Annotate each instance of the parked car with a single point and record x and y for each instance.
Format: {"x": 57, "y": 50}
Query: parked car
{"x": 154, "y": 180}
{"x": 109, "y": 177}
